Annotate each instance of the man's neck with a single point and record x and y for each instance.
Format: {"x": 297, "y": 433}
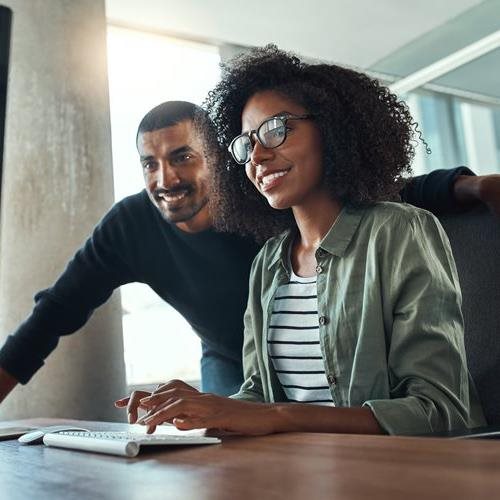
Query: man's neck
{"x": 200, "y": 222}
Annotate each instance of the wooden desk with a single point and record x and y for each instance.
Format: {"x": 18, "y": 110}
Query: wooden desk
{"x": 281, "y": 466}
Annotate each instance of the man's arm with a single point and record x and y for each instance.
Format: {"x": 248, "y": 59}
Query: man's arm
{"x": 453, "y": 191}
{"x": 89, "y": 279}
{"x": 7, "y": 383}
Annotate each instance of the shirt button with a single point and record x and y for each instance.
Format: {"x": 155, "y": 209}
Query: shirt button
{"x": 323, "y": 320}
{"x": 331, "y": 379}
{"x": 320, "y": 252}
{"x": 319, "y": 269}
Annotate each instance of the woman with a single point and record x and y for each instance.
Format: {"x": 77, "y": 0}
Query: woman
{"x": 353, "y": 321}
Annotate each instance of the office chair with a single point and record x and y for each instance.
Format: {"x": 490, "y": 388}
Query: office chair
{"x": 475, "y": 241}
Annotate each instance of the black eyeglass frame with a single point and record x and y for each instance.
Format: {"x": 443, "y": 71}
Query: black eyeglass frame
{"x": 251, "y": 133}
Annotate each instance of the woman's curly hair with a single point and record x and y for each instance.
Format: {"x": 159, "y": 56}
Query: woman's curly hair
{"x": 366, "y": 133}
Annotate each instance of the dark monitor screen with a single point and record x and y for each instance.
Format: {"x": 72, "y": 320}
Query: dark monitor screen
{"x": 5, "y": 20}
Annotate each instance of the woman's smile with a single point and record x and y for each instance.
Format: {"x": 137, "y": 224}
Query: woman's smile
{"x": 270, "y": 179}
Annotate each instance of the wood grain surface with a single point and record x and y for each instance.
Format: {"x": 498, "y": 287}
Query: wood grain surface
{"x": 280, "y": 466}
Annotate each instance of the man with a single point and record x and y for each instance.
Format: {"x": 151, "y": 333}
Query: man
{"x": 162, "y": 236}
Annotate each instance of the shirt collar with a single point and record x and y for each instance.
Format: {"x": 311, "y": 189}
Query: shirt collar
{"x": 339, "y": 236}
{"x": 280, "y": 249}
{"x": 335, "y": 242}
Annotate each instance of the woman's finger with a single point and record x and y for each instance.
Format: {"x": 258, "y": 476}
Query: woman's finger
{"x": 188, "y": 423}
{"x": 172, "y": 384}
{"x": 161, "y": 397}
{"x": 121, "y": 403}
{"x": 133, "y": 405}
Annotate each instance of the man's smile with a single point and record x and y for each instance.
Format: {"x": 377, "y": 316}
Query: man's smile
{"x": 172, "y": 196}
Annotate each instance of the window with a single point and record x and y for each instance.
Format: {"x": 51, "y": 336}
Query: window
{"x": 459, "y": 132}
{"x": 145, "y": 70}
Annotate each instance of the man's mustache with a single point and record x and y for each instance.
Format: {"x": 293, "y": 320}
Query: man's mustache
{"x": 178, "y": 188}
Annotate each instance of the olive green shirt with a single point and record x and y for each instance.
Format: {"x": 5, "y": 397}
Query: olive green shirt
{"x": 390, "y": 321}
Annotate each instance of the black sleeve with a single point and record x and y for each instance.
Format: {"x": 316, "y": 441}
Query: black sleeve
{"x": 434, "y": 191}
{"x": 95, "y": 271}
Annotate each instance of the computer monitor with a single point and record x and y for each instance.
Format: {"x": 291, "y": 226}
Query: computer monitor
{"x": 5, "y": 21}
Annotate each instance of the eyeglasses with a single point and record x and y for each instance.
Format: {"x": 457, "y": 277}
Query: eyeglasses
{"x": 271, "y": 133}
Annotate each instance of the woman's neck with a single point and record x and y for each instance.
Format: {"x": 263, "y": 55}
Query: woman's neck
{"x": 314, "y": 218}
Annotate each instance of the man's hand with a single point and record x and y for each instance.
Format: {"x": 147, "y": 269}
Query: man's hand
{"x": 7, "y": 383}
{"x": 489, "y": 192}
{"x": 186, "y": 408}
{"x": 483, "y": 188}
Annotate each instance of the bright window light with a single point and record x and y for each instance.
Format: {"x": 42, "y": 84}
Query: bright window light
{"x": 145, "y": 70}
{"x": 458, "y": 132}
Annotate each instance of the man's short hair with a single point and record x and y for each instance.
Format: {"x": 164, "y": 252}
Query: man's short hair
{"x": 168, "y": 114}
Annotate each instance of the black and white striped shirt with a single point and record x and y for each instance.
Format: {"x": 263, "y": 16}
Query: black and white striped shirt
{"x": 293, "y": 342}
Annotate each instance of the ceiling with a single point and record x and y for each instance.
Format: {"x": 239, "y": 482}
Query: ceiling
{"x": 395, "y": 37}
{"x": 481, "y": 76}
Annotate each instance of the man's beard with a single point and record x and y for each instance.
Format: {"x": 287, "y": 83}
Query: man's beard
{"x": 184, "y": 214}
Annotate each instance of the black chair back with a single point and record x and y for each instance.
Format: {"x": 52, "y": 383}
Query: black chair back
{"x": 475, "y": 240}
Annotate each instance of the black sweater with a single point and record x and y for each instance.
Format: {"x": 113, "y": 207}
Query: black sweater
{"x": 203, "y": 275}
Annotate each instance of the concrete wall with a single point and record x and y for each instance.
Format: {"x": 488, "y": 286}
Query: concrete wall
{"x": 57, "y": 184}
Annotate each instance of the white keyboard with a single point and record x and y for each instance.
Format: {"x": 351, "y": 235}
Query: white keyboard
{"x": 125, "y": 444}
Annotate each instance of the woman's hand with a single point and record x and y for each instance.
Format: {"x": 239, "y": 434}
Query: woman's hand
{"x": 133, "y": 402}
{"x": 187, "y": 408}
